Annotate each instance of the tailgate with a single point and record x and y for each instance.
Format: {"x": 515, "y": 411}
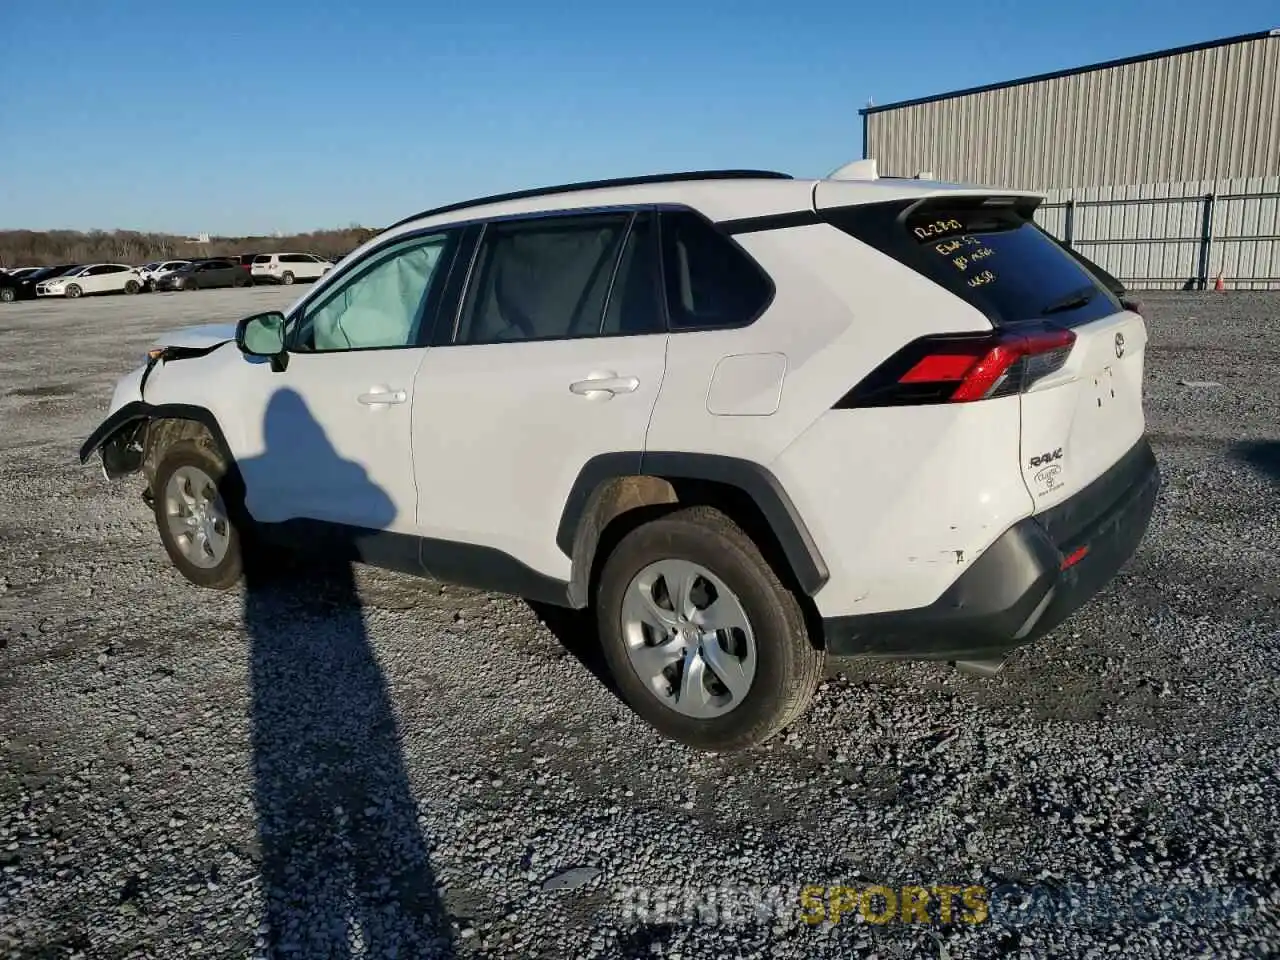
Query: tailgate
{"x": 1063, "y": 337}
{"x": 1078, "y": 423}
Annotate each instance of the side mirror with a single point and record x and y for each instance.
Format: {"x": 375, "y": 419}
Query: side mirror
{"x": 262, "y": 335}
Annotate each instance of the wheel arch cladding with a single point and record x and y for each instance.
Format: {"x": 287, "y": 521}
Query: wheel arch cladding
{"x": 613, "y": 484}
{"x": 177, "y": 421}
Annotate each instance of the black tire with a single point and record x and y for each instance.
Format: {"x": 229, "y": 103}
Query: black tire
{"x": 788, "y": 664}
{"x": 73, "y": 291}
{"x": 286, "y": 278}
{"x": 190, "y": 284}
{"x": 8, "y": 295}
{"x": 202, "y": 455}
{"x": 132, "y": 287}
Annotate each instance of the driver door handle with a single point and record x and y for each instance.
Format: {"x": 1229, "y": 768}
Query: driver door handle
{"x": 378, "y": 397}
{"x": 609, "y": 385}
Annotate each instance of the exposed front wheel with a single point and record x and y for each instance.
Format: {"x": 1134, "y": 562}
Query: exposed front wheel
{"x": 73, "y": 291}
{"x": 195, "y": 513}
{"x": 703, "y": 639}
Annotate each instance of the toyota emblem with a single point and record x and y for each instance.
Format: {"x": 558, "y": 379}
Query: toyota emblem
{"x": 1119, "y": 345}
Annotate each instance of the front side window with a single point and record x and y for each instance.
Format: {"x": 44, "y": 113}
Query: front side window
{"x": 541, "y": 279}
{"x": 384, "y": 303}
{"x": 710, "y": 280}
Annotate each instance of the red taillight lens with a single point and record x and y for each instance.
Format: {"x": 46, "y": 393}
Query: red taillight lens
{"x": 963, "y": 367}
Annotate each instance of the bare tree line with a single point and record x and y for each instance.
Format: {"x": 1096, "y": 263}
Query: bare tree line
{"x": 33, "y": 248}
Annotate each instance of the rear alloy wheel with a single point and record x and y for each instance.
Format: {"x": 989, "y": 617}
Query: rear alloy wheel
{"x": 132, "y": 287}
{"x": 194, "y": 516}
{"x": 702, "y": 638}
{"x": 73, "y": 291}
{"x": 286, "y": 278}
{"x": 7, "y": 295}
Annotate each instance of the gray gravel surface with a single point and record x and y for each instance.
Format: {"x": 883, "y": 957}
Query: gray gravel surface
{"x": 346, "y": 765}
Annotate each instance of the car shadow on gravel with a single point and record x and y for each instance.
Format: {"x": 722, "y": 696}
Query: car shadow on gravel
{"x": 345, "y": 866}
{"x": 1263, "y": 456}
{"x": 576, "y": 630}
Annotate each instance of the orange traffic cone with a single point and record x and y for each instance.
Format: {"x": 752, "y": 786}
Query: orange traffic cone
{"x": 1218, "y": 285}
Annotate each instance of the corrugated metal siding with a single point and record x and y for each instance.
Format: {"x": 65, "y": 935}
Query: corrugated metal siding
{"x": 1196, "y": 115}
{"x": 1158, "y": 245}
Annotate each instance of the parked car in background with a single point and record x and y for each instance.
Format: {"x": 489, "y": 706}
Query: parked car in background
{"x": 153, "y": 271}
{"x": 245, "y": 260}
{"x": 289, "y": 267}
{"x": 23, "y": 286}
{"x": 10, "y": 280}
{"x": 205, "y": 274}
{"x": 94, "y": 278}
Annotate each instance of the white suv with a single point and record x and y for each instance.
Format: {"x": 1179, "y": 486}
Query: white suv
{"x": 750, "y": 420}
{"x": 94, "y": 278}
{"x": 289, "y": 267}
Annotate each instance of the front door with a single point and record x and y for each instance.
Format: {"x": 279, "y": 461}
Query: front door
{"x": 333, "y": 438}
{"x": 558, "y": 354}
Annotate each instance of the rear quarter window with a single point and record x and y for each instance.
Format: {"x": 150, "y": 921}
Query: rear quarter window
{"x": 988, "y": 252}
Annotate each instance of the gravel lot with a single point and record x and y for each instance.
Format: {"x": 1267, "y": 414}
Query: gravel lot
{"x": 393, "y": 768}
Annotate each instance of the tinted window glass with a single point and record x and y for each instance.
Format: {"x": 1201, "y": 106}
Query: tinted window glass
{"x": 634, "y": 306}
{"x": 987, "y": 252}
{"x": 385, "y": 303}
{"x": 710, "y": 281}
{"x": 541, "y": 279}
{"x": 262, "y": 258}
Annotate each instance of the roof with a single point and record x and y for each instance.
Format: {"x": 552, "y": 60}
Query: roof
{"x": 1073, "y": 71}
{"x": 683, "y": 177}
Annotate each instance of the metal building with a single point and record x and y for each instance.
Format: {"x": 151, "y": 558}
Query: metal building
{"x": 1164, "y": 167}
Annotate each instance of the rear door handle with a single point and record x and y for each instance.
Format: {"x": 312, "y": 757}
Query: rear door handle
{"x": 381, "y": 396}
{"x": 609, "y": 384}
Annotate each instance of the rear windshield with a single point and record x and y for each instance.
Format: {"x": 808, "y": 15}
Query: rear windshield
{"x": 262, "y": 258}
{"x": 988, "y": 252}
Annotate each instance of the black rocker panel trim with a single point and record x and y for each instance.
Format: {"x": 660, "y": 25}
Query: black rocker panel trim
{"x": 464, "y": 564}
{"x": 757, "y": 482}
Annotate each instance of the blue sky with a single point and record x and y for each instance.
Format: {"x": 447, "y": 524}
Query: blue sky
{"x": 233, "y": 117}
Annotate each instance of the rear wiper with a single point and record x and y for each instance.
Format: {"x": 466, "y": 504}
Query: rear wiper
{"x": 1077, "y": 298}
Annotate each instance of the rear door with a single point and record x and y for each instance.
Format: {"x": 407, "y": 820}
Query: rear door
{"x": 555, "y": 356}
{"x": 1081, "y": 406}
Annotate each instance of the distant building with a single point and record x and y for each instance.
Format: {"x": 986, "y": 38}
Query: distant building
{"x": 1164, "y": 167}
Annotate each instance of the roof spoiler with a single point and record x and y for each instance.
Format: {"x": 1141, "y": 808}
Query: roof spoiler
{"x": 857, "y": 170}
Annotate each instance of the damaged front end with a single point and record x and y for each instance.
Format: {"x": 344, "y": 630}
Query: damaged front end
{"x": 121, "y": 439}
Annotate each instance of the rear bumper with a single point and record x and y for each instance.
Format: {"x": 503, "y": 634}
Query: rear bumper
{"x": 1029, "y": 581}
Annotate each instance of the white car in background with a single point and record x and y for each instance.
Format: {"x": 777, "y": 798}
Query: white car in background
{"x": 93, "y": 278}
{"x": 152, "y": 272}
{"x": 289, "y": 267}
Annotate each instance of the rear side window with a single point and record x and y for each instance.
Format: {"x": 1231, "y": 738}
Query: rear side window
{"x": 988, "y": 252}
{"x": 710, "y": 281}
{"x": 541, "y": 279}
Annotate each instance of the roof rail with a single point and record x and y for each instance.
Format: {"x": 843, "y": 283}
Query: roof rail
{"x": 598, "y": 185}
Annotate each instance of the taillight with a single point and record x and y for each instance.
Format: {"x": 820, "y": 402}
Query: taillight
{"x": 963, "y": 367}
